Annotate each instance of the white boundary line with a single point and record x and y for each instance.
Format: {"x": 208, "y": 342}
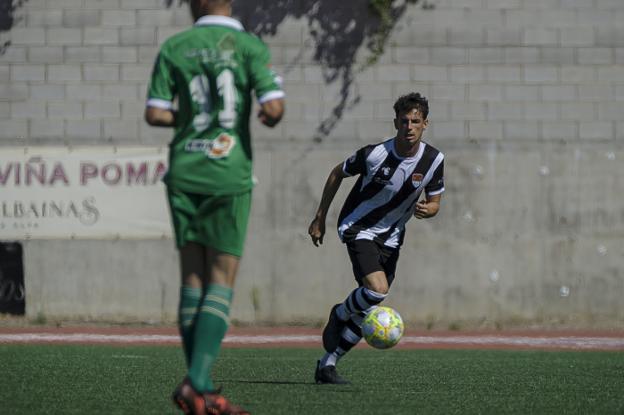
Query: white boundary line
{"x": 571, "y": 342}
{"x": 475, "y": 341}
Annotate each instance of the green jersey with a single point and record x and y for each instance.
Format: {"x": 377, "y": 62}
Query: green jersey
{"x": 211, "y": 70}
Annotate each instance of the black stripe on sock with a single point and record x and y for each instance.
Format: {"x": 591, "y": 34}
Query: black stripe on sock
{"x": 356, "y": 303}
{"x": 357, "y": 330}
{"x": 370, "y": 299}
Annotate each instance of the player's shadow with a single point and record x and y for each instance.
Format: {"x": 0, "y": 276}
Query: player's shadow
{"x": 265, "y": 382}
{"x": 338, "y": 388}
{"x": 337, "y": 31}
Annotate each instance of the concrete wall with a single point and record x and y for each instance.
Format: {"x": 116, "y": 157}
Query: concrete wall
{"x": 527, "y": 102}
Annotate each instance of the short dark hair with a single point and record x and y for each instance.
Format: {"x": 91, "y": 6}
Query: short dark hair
{"x": 201, "y": 8}
{"x": 412, "y": 101}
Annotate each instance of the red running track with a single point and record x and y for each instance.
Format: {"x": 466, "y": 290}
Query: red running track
{"x": 310, "y": 337}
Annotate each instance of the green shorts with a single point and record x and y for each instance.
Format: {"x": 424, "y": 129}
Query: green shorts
{"x": 219, "y": 222}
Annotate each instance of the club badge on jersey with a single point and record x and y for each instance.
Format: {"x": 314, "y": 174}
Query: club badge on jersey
{"x": 417, "y": 179}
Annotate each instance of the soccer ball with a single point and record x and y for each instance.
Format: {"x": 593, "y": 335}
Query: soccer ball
{"x": 382, "y": 328}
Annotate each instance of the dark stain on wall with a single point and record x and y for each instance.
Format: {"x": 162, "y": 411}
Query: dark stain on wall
{"x": 338, "y": 29}
{"x": 7, "y": 18}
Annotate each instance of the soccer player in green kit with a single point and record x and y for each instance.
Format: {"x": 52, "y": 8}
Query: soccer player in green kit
{"x": 212, "y": 70}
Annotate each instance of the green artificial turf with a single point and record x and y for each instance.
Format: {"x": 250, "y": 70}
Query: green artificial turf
{"x": 65, "y": 379}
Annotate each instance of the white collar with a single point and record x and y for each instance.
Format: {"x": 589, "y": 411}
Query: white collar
{"x": 219, "y": 20}
{"x": 421, "y": 148}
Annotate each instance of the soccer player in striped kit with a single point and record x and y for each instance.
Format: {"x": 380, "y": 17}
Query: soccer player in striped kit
{"x": 392, "y": 176}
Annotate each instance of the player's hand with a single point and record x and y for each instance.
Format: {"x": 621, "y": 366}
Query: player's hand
{"x": 424, "y": 209}
{"x": 317, "y": 231}
{"x": 271, "y": 112}
{"x": 266, "y": 120}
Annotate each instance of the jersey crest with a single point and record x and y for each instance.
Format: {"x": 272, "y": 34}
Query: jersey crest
{"x": 417, "y": 179}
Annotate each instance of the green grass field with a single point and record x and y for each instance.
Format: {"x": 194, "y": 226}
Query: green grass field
{"x": 138, "y": 380}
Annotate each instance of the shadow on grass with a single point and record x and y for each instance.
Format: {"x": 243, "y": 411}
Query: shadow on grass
{"x": 337, "y": 388}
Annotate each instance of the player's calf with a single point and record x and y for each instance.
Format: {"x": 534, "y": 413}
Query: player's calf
{"x": 333, "y": 330}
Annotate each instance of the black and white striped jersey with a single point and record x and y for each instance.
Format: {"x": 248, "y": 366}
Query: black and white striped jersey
{"x": 384, "y": 196}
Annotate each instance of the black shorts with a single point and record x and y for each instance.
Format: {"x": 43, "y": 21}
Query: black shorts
{"x": 369, "y": 256}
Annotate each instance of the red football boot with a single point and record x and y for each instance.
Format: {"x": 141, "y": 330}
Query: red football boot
{"x": 188, "y": 400}
{"x": 192, "y": 402}
{"x": 217, "y": 404}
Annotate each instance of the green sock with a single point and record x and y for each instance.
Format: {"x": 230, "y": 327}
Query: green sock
{"x": 187, "y": 311}
{"x": 210, "y": 327}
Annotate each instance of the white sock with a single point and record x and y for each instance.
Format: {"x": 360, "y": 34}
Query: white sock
{"x": 331, "y": 359}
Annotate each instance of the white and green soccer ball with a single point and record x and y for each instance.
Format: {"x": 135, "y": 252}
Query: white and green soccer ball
{"x": 382, "y": 328}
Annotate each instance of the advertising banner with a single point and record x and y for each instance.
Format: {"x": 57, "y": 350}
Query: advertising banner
{"x": 88, "y": 192}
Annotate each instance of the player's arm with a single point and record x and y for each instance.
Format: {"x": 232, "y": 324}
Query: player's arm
{"x": 429, "y": 207}
{"x": 266, "y": 83}
{"x": 159, "y": 117}
{"x": 159, "y": 110}
{"x": 271, "y": 112}
{"x": 433, "y": 193}
{"x": 317, "y": 227}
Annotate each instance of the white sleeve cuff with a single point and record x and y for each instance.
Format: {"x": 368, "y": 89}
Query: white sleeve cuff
{"x": 435, "y": 192}
{"x": 160, "y": 103}
{"x": 271, "y": 95}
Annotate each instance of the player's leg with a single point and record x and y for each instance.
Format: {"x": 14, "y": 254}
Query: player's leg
{"x": 222, "y": 229}
{"x": 184, "y": 208}
{"x": 351, "y": 334}
{"x": 210, "y": 328}
{"x": 192, "y": 264}
{"x": 366, "y": 260}
{"x": 368, "y": 295}
{"x": 343, "y": 330}
{"x": 374, "y": 285}
{"x": 389, "y": 259}
{"x": 348, "y": 338}
{"x": 378, "y": 282}
{"x": 213, "y": 318}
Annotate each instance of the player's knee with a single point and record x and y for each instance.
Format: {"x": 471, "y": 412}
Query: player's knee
{"x": 192, "y": 280}
{"x": 383, "y": 289}
{"x": 376, "y": 282}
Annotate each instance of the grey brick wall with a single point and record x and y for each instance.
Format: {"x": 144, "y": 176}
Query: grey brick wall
{"x": 484, "y": 65}
{"x": 527, "y": 102}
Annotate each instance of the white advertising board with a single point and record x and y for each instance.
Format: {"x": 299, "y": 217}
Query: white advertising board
{"x": 88, "y": 192}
